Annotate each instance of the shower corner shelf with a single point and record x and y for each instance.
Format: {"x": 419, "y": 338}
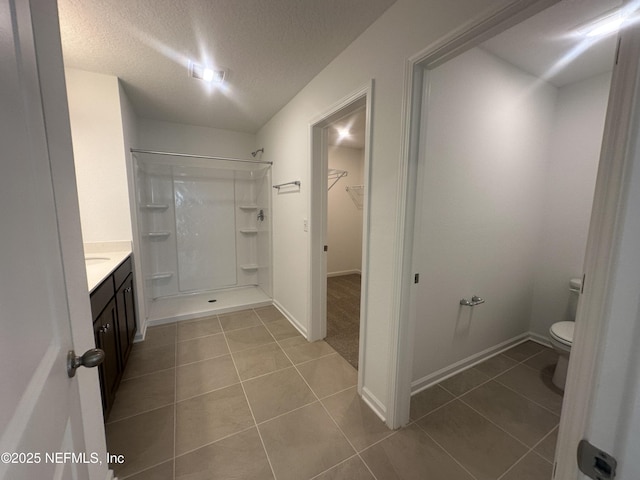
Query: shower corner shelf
{"x": 248, "y": 230}
{"x": 248, "y": 207}
{"x": 249, "y": 267}
{"x": 158, "y": 234}
{"x": 156, "y": 206}
{"x": 160, "y": 275}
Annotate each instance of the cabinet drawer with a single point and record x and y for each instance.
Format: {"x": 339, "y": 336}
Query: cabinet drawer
{"x": 101, "y": 295}
{"x": 122, "y": 272}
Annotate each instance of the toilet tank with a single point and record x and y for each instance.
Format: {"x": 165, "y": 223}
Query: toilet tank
{"x": 575, "y": 286}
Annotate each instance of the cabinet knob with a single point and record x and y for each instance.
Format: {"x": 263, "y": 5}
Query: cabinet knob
{"x": 127, "y": 290}
{"x": 91, "y": 358}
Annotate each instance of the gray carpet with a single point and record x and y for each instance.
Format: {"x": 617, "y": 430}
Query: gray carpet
{"x": 343, "y": 316}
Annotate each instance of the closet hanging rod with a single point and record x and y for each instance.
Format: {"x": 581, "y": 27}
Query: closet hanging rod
{"x": 295, "y": 182}
{"x": 188, "y": 155}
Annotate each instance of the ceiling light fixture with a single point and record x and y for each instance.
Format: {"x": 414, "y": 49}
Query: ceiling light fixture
{"x": 343, "y": 133}
{"x": 206, "y": 74}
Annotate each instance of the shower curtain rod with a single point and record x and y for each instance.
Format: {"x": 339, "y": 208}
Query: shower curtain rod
{"x": 188, "y": 155}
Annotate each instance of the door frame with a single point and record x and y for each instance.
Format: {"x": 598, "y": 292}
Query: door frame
{"x": 604, "y": 231}
{"x": 402, "y": 321}
{"x": 317, "y": 311}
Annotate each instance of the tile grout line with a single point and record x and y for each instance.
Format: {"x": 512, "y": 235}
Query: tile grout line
{"x": 202, "y": 360}
{"x": 199, "y": 337}
{"x": 145, "y": 374}
{"x": 175, "y": 404}
{"x": 337, "y": 464}
{"x": 531, "y": 450}
{"x": 439, "y": 407}
{"x": 527, "y": 398}
{"x": 496, "y": 425}
{"x": 129, "y": 417}
{"x": 146, "y": 469}
{"x": 446, "y": 451}
{"x": 246, "y": 398}
{"x": 187, "y": 452}
{"x": 277, "y": 342}
{"x": 459, "y": 397}
{"x": 330, "y": 416}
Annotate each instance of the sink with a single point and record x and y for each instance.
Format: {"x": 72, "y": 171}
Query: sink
{"x": 95, "y": 260}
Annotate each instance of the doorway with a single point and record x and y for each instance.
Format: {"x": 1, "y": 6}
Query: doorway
{"x": 477, "y": 252}
{"x": 339, "y": 225}
{"x": 345, "y": 202}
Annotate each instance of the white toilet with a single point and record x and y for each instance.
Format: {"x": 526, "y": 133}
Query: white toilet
{"x": 561, "y": 336}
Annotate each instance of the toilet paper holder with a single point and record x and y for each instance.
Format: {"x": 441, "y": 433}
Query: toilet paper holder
{"x": 475, "y": 300}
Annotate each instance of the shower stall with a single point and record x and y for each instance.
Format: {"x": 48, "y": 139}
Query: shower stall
{"x": 204, "y": 233}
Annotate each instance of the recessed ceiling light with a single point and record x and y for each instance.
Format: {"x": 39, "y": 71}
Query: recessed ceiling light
{"x": 343, "y": 133}
{"x": 206, "y": 74}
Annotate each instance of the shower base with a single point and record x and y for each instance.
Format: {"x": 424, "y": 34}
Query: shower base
{"x": 194, "y": 305}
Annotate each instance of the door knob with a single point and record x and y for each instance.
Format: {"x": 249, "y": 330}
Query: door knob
{"x": 91, "y": 358}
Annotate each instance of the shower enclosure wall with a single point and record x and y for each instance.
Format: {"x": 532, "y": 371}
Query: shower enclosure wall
{"x": 204, "y": 234}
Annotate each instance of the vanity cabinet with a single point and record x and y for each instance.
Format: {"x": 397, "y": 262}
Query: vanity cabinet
{"x": 125, "y": 304}
{"x": 104, "y": 329}
{"x": 114, "y": 326}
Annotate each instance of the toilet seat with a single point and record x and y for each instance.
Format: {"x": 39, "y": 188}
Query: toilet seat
{"x": 562, "y": 332}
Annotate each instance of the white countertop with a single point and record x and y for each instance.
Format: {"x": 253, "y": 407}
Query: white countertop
{"x": 101, "y": 265}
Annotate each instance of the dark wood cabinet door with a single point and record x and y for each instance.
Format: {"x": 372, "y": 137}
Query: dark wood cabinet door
{"x": 105, "y": 331}
{"x": 126, "y": 318}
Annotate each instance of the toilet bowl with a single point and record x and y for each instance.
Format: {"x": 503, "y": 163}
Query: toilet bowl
{"x": 561, "y": 336}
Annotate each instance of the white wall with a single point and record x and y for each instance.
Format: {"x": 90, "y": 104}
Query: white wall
{"x": 575, "y": 152}
{"x": 130, "y": 139}
{"x": 99, "y": 151}
{"x": 179, "y": 138}
{"x": 487, "y": 148}
{"x": 344, "y": 216}
{"x": 380, "y": 53}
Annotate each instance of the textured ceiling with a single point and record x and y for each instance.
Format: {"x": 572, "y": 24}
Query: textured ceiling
{"x": 270, "y": 48}
{"x": 545, "y": 45}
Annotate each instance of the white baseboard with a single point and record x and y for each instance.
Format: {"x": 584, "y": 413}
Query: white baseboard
{"x": 344, "y": 272}
{"x": 466, "y": 363}
{"x": 110, "y": 475}
{"x": 375, "y": 404}
{"x": 541, "y": 339}
{"x": 301, "y": 328}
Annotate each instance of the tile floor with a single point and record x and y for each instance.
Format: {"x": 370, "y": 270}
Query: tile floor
{"x": 343, "y": 316}
{"x": 245, "y": 396}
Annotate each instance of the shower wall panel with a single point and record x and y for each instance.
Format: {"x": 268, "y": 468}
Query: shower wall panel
{"x": 205, "y": 233}
{"x": 200, "y": 226}
{"x": 263, "y": 197}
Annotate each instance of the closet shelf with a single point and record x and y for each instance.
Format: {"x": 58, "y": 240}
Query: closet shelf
{"x": 160, "y": 275}
{"x": 335, "y": 175}
{"x": 248, "y": 207}
{"x": 156, "y": 206}
{"x": 248, "y": 230}
{"x": 158, "y": 234}
{"x": 249, "y": 267}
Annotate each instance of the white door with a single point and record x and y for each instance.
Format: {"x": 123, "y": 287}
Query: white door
{"x": 40, "y": 406}
{"x": 602, "y": 398}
